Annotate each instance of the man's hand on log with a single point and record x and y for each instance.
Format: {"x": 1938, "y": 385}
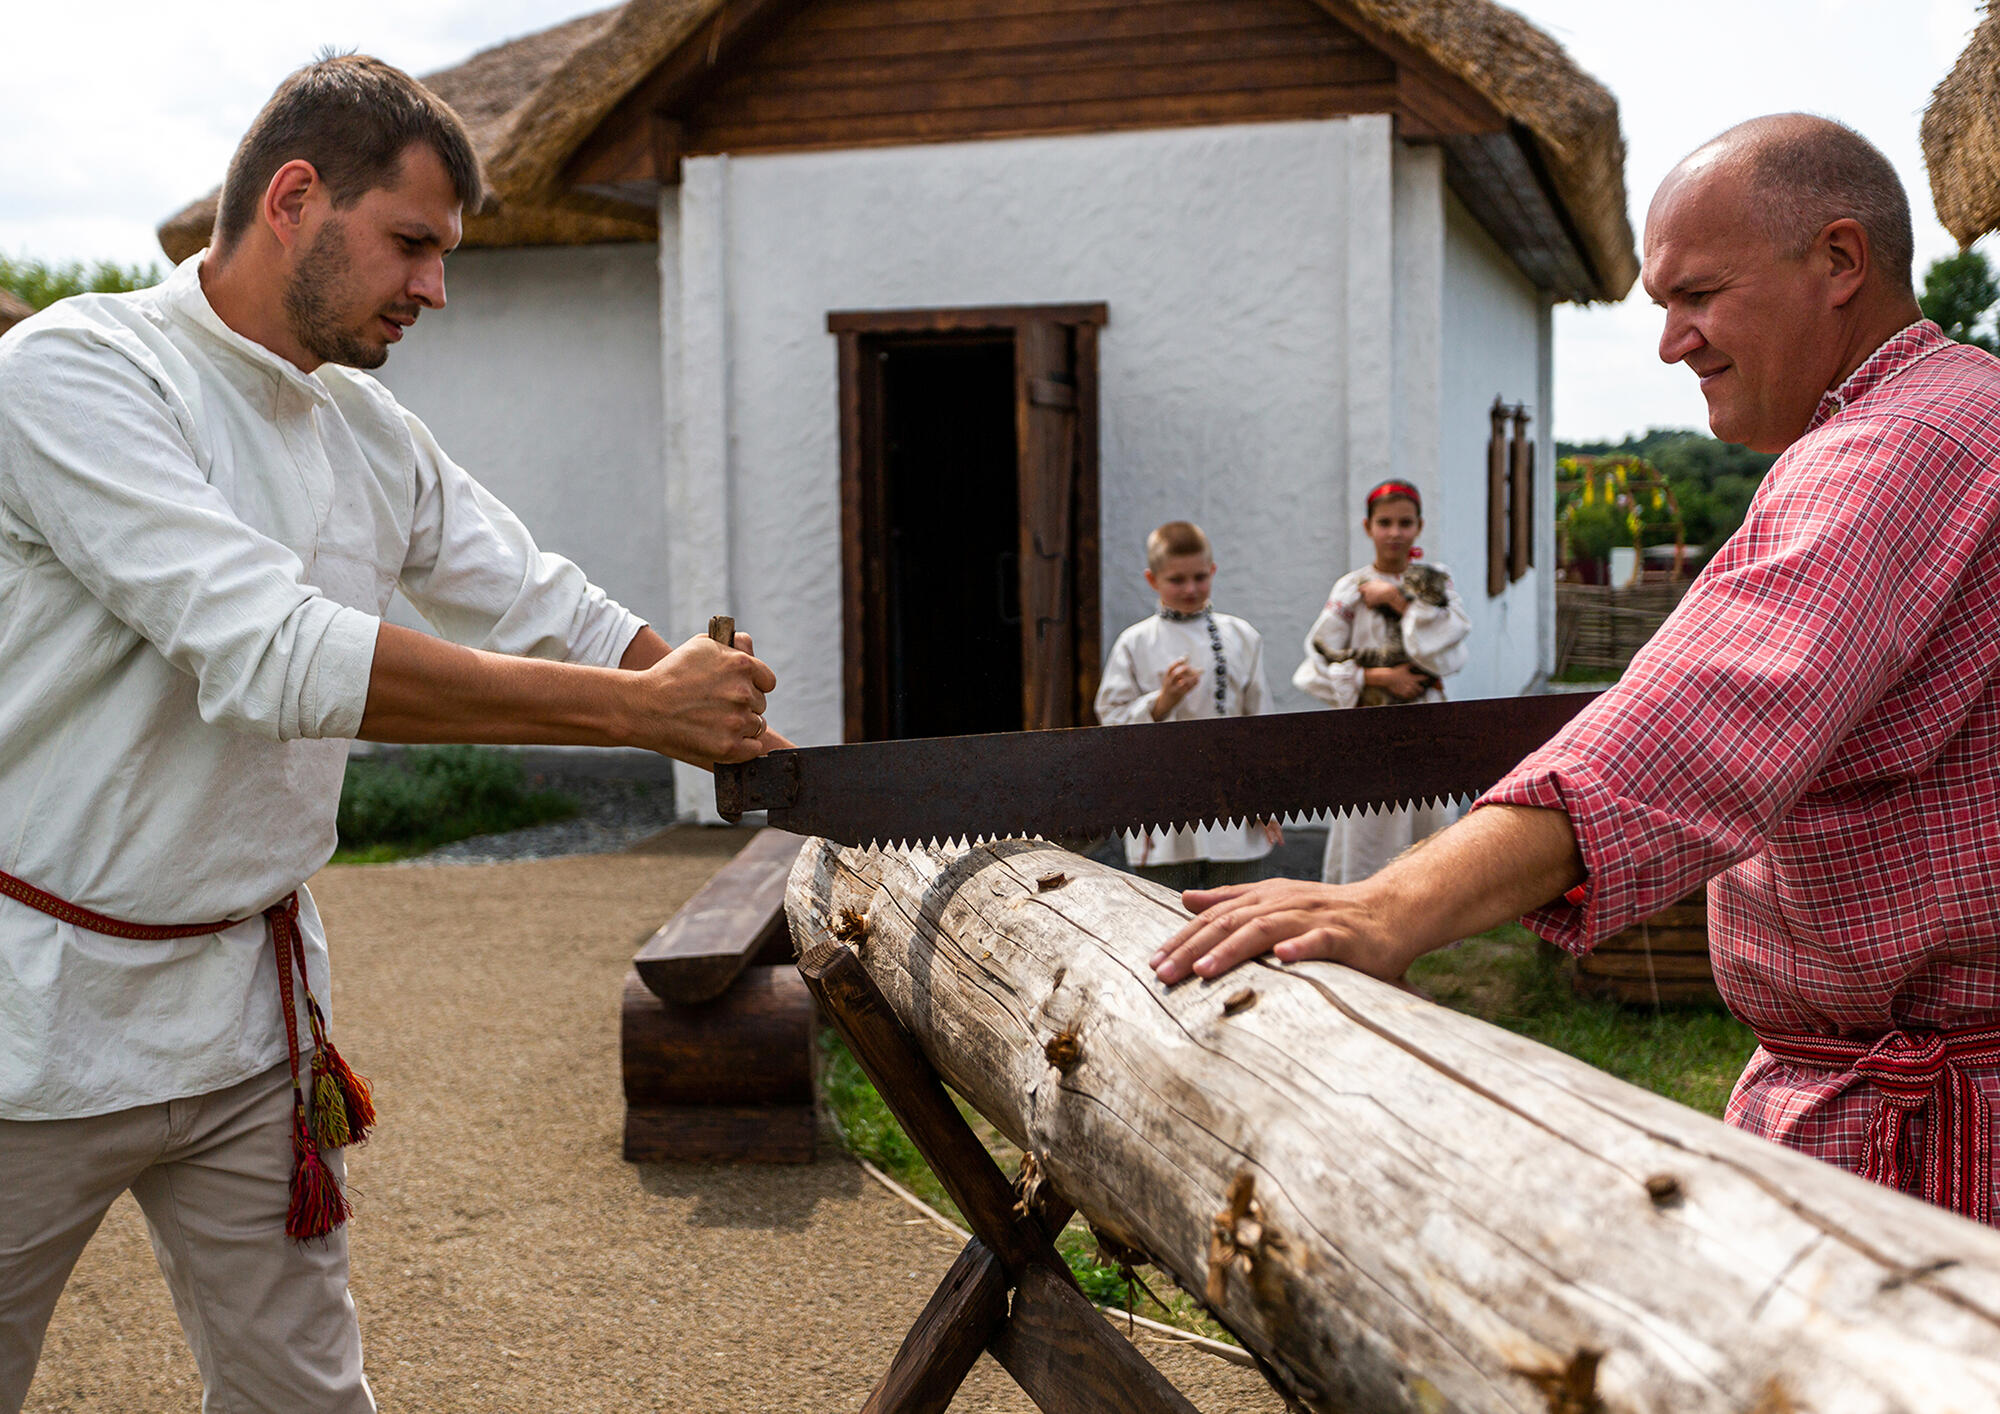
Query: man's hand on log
{"x": 1291, "y": 919}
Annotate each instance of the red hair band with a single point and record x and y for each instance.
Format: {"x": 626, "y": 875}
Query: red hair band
{"x": 1395, "y": 490}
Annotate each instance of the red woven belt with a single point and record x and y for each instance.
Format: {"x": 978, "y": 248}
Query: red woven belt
{"x": 1914, "y": 1071}
{"x": 342, "y": 1109}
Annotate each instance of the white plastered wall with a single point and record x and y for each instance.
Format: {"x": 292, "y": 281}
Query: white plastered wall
{"x": 1496, "y": 341}
{"x": 541, "y": 376}
{"x": 1280, "y": 337}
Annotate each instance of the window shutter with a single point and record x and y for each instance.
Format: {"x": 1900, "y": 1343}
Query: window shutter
{"x": 1496, "y": 502}
{"x": 1521, "y": 497}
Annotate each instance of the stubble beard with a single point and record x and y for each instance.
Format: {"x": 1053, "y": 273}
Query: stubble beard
{"x": 310, "y": 298}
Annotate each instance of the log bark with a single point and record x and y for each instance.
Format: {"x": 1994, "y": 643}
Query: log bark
{"x": 1397, "y": 1207}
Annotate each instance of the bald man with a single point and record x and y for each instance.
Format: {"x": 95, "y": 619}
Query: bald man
{"x": 1815, "y": 731}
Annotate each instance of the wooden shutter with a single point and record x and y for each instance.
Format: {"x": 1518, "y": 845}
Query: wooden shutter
{"x": 1496, "y": 502}
{"x": 1521, "y": 497}
{"x": 1045, "y": 405}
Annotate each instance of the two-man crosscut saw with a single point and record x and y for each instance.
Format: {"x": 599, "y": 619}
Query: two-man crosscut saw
{"x": 1085, "y": 782}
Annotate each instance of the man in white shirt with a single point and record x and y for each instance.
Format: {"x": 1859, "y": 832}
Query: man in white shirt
{"x": 204, "y": 511}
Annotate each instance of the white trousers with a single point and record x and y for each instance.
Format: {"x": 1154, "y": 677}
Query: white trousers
{"x": 269, "y": 1319}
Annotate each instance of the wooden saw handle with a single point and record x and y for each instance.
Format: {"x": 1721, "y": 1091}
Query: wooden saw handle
{"x": 722, "y": 628}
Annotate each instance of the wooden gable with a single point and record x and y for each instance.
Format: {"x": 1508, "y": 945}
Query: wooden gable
{"x": 788, "y": 75}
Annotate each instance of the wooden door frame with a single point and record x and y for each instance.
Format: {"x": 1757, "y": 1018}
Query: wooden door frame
{"x": 860, "y": 492}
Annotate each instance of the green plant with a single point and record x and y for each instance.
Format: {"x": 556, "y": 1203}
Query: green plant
{"x": 41, "y": 284}
{"x": 1959, "y": 290}
{"x": 1595, "y": 530}
{"x": 427, "y": 796}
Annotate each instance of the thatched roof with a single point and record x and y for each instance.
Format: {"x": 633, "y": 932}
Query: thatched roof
{"x": 1961, "y": 134}
{"x": 487, "y": 91}
{"x": 13, "y": 309}
{"x": 1524, "y": 73}
{"x": 1571, "y": 116}
{"x": 532, "y": 103}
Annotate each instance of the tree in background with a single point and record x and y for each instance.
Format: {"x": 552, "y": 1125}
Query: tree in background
{"x": 1958, "y": 292}
{"x": 1712, "y": 481}
{"x": 42, "y": 284}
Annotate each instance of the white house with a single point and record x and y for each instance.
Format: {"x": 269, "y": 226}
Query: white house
{"x": 892, "y": 326}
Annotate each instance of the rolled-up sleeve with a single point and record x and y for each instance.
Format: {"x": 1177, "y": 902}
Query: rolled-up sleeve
{"x": 476, "y": 574}
{"x": 96, "y": 467}
{"x": 1740, "y": 701}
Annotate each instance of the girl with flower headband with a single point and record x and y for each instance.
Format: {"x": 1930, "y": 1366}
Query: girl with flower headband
{"x": 1389, "y": 633}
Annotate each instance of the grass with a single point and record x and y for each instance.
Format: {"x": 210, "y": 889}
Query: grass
{"x": 1508, "y": 977}
{"x": 403, "y": 803}
{"x": 871, "y": 1132}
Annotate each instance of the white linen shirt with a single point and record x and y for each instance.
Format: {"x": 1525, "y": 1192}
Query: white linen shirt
{"x": 197, "y": 541}
{"x": 1433, "y": 635}
{"x": 1132, "y": 676}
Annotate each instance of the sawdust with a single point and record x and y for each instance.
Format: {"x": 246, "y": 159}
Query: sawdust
{"x": 505, "y": 1258}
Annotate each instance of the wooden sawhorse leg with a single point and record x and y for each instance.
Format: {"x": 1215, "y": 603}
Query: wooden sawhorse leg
{"x": 1049, "y": 1337}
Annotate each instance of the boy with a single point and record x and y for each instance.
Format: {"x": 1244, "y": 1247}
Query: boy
{"x": 1182, "y": 663}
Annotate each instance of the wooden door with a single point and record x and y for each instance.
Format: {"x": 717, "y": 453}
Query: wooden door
{"x": 1054, "y": 513}
{"x": 1045, "y": 415}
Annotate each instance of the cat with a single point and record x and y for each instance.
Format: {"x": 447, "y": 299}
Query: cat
{"x": 1420, "y": 582}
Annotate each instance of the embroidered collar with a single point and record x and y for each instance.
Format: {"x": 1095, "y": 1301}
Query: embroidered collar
{"x": 1175, "y": 616}
{"x": 1903, "y": 350}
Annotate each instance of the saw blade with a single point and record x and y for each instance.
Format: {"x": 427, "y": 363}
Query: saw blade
{"x": 1087, "y": 782}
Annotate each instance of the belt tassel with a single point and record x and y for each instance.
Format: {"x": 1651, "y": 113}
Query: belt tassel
{"x": 343, "y": 1108}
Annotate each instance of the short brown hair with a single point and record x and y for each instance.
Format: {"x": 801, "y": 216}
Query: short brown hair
{"x": 1811, "y": 171}
{"x": 1176, "y": 537}
{"x": 353, "y": 118}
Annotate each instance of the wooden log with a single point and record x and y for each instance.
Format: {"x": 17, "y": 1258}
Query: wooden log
{"x": 715, "y": 1134}
{"x": 1397, "y": 1207}
{"x": 750, "y": 1046}
{"x": 737, "y": 915}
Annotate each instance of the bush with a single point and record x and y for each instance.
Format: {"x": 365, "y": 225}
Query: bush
{"x": 41, "y": 284}
{"x": 429, "y": 796}
{"x": 1595, "y": 529}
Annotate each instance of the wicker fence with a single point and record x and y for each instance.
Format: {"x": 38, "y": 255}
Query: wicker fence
{"x": 1599, "y": 627}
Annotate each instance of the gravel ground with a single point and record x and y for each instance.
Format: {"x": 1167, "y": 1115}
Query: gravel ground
{"x": 505, "y": 1258}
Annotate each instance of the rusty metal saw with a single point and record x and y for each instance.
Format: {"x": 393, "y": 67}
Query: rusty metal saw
{"x": 1085, "y": 782}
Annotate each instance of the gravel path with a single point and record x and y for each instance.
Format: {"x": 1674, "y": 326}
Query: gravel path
{"x": 505, "y": 1258}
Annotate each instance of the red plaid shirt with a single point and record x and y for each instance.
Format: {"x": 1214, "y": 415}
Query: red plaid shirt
{"x": 1816, "y": 731}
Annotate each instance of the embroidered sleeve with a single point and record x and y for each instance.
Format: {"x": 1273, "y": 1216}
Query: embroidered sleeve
{"x": 1336, "y": 684}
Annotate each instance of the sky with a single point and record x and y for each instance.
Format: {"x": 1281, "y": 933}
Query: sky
{"x": 116, "y": 118}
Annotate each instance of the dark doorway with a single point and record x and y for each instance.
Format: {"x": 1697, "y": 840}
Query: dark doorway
{"x": 949, "y": 493}
{"x": 969, "y": 565}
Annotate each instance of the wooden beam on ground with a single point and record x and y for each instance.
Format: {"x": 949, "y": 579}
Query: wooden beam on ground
{"x": 1397, "y": 1207}
{"x": 738, "y": 913}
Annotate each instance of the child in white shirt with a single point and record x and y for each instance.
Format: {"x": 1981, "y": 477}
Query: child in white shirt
{"x": 1183, "y": 663}
{"x": 1379, "y": 612}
